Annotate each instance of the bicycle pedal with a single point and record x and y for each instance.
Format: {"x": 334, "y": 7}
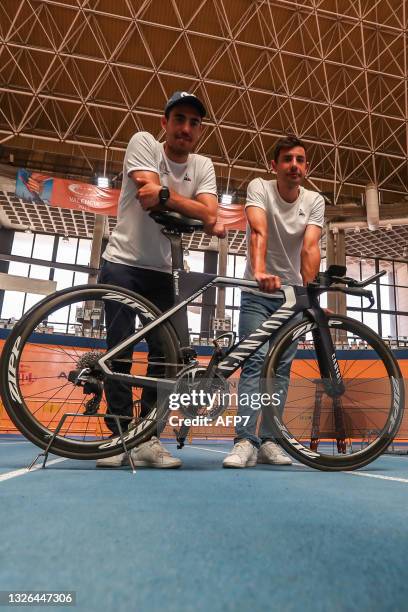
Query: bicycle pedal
{"x": 188, "y": 354}
{"x": 314, "y": 443}
{"x": 179, "y": 438}
{"x": 341, "y": 446}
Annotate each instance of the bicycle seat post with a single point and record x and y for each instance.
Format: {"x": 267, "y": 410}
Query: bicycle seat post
{"x": 176, "y": 245}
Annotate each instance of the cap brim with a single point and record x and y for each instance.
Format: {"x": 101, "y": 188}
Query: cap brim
{"x": 189, "y": 100}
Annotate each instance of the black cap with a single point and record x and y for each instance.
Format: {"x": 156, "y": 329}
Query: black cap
{"x": 184, "y": 97}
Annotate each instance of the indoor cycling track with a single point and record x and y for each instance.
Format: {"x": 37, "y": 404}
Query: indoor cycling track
{"x": 205, "y": 538}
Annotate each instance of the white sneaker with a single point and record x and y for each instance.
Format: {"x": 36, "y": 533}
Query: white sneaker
{"x": 153, "y": 454}
{"x": 113, "y": 462}
{"x": 271, "y": 453}
{"x": 243, "y": 454}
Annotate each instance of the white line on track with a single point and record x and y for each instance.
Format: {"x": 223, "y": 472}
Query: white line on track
{"x": 210, "y": 450}
{"x": 22, "y": 471}
{"x": 363, "y": 474}
{"x": 10, "y": 443}
{"x": 367, "y": 475}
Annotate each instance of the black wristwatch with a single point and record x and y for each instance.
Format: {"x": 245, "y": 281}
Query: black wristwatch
{"x": 164, "y": 195}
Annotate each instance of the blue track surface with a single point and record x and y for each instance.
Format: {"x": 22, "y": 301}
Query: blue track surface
{"x": 204, "y": 538}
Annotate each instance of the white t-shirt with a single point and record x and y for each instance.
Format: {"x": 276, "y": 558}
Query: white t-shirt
{"x": 287, "y": 222}
{"x": 137, "y": 239}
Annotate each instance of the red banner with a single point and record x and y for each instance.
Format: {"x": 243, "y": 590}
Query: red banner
{"x": 232, "y": 216}
{"x": 64, "y": 193}
{"x": 82, "y": 196}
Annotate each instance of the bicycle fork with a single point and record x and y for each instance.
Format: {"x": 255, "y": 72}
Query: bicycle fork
{"x": 330, "y": 383}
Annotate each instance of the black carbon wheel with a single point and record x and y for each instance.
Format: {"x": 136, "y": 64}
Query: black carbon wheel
{"x": 328, "y": 432}
{"x": 35, "y": 370}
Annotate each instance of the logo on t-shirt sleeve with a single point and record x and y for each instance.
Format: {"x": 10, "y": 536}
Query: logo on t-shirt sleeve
{"x": 163, "y": 171}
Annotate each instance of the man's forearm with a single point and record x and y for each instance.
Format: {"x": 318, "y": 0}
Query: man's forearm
{"x": 257, "y": 252}
{"x": 310, "y": 264}
{"x": 191, "y": 208}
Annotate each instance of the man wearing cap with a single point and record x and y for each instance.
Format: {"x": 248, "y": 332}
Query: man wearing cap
{"x": 156, "y": 176}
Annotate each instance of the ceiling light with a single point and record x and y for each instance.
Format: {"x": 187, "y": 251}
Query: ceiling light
{"x": 226, "y": 198}
{"x": 102, "y": 182}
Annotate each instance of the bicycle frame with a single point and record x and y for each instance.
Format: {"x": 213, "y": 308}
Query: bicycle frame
{"x": 296, "y": 299}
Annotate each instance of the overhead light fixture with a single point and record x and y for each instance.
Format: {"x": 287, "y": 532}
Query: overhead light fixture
{"x": 65, "y": 238}
{"x": 356, "y": 230}
{"x": 405, "y": 252}
{"x": 102, "y": 182}
{"x": 388, "y": 227}
{"x": 226, "y": 198}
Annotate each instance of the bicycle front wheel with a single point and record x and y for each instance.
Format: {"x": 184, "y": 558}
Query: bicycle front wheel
{"x": 38, "y": 372}
{"x": 328, "y": 430}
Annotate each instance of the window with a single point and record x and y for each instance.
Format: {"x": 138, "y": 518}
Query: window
{"x": 389, "y": 315}
{"x": 235, "y": 268}
{"x": 84, "y": 252}
{"x": 19, "y": 269}
{"x": 194, "y": 319}
{"x": 67, "y": 250}
{"x": 22, "y": 244}
{"x": 195, "y": 261}
{"x": 41, "y": 246}
{"x": 12, "y": 305}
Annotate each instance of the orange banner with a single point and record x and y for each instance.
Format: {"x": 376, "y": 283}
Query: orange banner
{"x": 232, "y": 216}
{"x": 82, "y": 196}
{"x": 64, "y": 193}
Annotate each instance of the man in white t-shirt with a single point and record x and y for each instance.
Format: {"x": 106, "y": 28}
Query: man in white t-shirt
{"x": 283, "y": 233}
{"x": 156, "y": 176}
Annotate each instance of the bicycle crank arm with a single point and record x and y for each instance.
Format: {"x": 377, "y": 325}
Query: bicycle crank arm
{"x": 181, "y": 435}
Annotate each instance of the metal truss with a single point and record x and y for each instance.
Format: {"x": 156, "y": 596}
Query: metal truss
{"x": 81, "y": 76}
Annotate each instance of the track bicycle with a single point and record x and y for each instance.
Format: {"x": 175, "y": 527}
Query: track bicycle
{"x": 343, "y": 407}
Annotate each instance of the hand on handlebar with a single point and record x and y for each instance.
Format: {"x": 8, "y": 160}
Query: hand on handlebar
{"x": 267, "y": 282}
{"x": 148, "y": 193}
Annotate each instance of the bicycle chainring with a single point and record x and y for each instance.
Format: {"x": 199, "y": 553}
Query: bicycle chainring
{"x": 209, "y": 397}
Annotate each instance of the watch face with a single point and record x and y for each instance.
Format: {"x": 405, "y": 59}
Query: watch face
{"x": 164, "y": 194}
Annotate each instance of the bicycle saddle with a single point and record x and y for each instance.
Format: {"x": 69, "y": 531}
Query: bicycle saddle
{"x": 177, "y": 222}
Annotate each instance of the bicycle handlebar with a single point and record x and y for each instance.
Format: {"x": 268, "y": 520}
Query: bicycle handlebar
{"x": 357, "y": 291}
{"x": 351, "y": 282}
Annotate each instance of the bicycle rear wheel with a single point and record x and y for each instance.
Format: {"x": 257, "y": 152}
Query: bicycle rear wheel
{"x": 37, "y": 371}
{"x": 331, "y": 432}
